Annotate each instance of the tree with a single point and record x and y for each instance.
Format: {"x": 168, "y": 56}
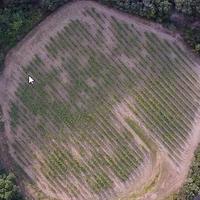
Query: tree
{"x": 51, "y": 5}
{"x": 192, "y": 186}
{"x": 192, "y": 36}
{"x": 197, "y": 48}
{"x": 8, "y": 188}
{"x": 188, "y": 7}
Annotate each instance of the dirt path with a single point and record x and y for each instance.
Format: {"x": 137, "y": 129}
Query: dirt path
{"x": 164, "y": 177}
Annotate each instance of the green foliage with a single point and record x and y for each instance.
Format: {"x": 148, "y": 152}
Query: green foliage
{"x": 188, "y": 7}
{"x": 142, "y": 135}
{"x": 197, "y": 47}
{"x": 17, "y": 18}
{"x": 51, "y": 5}
{"x": 192, "y": 36}
{"x": 36, "y": 98}
{"x": 62, "y": 114}
{"x": 8, "y": 188}
{"x": 1, "y": 126}
{"x": 99, "y": 182}
{"x": 153, "y": 9}
{"x": 15, "y": 22}
{"x": 192, "y": 186}
{"x": 14, "y": 113}
{"x": 157, "y": 9}
{"x": 37, "y": 101}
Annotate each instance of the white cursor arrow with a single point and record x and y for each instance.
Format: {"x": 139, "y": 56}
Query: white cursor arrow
{"x": 30, "y": 80}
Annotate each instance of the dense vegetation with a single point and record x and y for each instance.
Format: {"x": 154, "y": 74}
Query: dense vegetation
{"x": 192, "y": 36}
{"x": 17, "y": 17}
{"x": 8, "y": 187}
{"x": 153, "y": 9}
{"x": 1, "y": 120}
{"x": 188, "y": 7}
{"x": 159, "y": 10}
{"x": 192, "y": 186}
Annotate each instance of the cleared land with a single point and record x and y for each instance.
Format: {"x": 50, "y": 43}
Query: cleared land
{"x": 114, "y": 111}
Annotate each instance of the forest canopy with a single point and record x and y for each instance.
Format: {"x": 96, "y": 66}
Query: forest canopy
{"x": 8, "y": 186}
{"x": 192, "y": 186}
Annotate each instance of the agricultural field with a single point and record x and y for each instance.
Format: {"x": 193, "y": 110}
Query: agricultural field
{"x": 113, "y": 112}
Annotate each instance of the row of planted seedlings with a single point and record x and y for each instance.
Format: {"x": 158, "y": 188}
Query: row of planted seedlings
{"x": 163, "y": 81}
{"x": 81, "y": 31}
{"x": 152, "y": 88}
{"x": 24, "y": 118}
{"x": 144, "y": 116}
{"x": 60, "y": 166}
{"x": 179, "y": 69}
{"x": 176, "y": 83}
{"x": 173, "y": 49}
{"x": 59, "y": 172}
{"x": 84, "y": 32}
{"x": 98, "y": 18}
{"x": 35, "y": 93}
{"x": 126, "y": 33}
{"x": 174, "y": 136}
{"x": 185, "y": 67}
{"x": 29, "y": 130}
{"x": 126, "y": 42}
{"x": 175, "y": 86}
{"x": 122, "y": 88}
{"x": 174, "y": 80}
{"x": 29, "y": 156}
{"x": 72, "y": 39}
{"x": 183, "y": 56}
{"x": 182, "y": 102}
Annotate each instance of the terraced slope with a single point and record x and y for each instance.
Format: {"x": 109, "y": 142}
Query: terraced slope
{"x": 113, "y": 104}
